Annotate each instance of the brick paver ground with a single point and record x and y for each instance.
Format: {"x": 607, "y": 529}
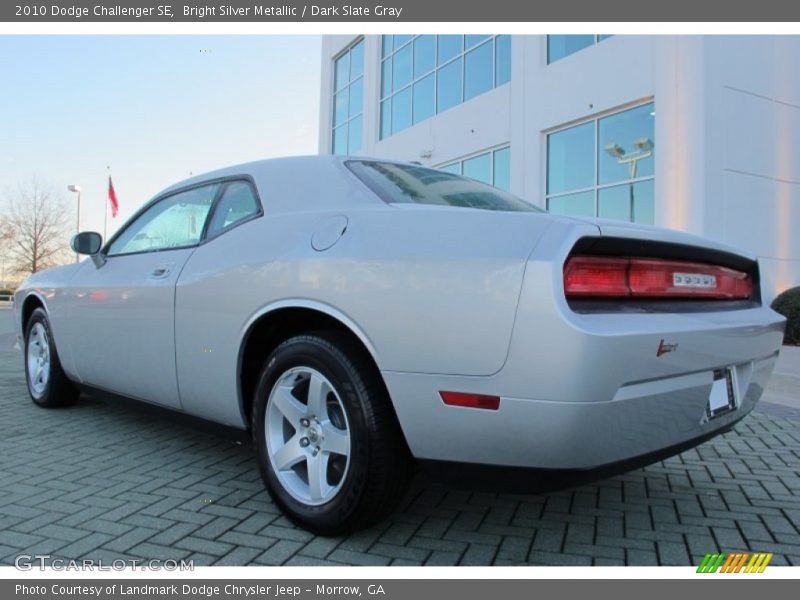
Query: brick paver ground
{"x": 105, "y": 480}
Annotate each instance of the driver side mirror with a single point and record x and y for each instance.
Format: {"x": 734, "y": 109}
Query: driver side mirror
{"x": 90, "y": 243}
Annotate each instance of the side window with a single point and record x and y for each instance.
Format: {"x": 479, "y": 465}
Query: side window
{"x": 238, "y": 203}
{"x": 174, "y": 222}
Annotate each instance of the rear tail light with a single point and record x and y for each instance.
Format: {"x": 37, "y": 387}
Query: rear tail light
{"x": 596, "y": 276}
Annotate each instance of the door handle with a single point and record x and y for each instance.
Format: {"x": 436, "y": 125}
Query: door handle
{"x": 160, "y": 271}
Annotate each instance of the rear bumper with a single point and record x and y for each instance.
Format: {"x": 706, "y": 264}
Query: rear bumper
{"x": 640, "y": 419}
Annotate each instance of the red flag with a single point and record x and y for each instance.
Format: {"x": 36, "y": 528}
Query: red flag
{"x": 112, "y": 198}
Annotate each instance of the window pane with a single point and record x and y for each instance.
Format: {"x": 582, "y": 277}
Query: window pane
{"x": 340, "y": 140}
{"x": 399, "y": 183}
{"x": 628, "y": 202}
{"x": 474, "y": 40}
{"x": 452, "y": 168}
{"x": 237, "y": 204}
{"x": 342, "y": 71}
{"x": 580, "y": 204}
{"x": 449, "y": 46}
{"x": 340, "y": 106}
{"x": 356, "y": 97}
{"x": 448, "y": 86}
{"x": 559, "y": 46}
{"x": 424, "y": 54}
{"x": 402, "y": 68}
{"x": 479, "y": 167}
{"x": 600, "y": 38}
{"x": 401, "y": 110}
{"x": 386, "y": 118}
{"x": 386, "y": 78}
{"x": 424, "y": 98}
{"x": 399, "y": 40}
{"x": 386, "y": 45}
{"x": 478, "y": 75}
{"x": 626, "y": 145}
{"x": 354, "y": 137}
{"x": 174, "y": 222}
{"x": 502, "y": 169}
{"x": 502, "y": 59}
{"x": 357, "y": 60}
{"x": 570, "y": 159}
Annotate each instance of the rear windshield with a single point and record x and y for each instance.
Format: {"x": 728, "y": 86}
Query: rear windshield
{"x": 409, "y": 184}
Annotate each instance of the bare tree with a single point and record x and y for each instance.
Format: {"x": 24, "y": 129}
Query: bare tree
{"x": 35, "y": 227}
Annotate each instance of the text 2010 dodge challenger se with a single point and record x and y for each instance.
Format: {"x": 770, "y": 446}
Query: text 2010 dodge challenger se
{"x": 355, "y": 314}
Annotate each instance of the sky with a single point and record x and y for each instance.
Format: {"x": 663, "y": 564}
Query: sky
{"x": 154, "y": 109}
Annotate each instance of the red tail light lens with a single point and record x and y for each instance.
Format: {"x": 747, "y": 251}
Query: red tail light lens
{"x": 590, "y": 276}
{"x": 470, "y": 400}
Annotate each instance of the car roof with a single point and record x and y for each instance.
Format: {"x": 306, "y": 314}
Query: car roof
{"x": 296, "y": 183}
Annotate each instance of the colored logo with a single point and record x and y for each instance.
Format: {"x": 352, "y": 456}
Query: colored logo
{"x": 735, "y": 562}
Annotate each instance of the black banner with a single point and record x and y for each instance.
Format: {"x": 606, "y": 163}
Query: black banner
{"x": 406, "y": 11}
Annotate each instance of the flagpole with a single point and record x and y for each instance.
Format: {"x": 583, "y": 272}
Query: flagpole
{"x": 105, "y": 208}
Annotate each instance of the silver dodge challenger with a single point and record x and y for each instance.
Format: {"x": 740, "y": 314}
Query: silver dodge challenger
{"x": 357, "y": 314}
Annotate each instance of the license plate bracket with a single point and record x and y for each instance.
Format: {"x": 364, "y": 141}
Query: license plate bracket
{"x": 722, "y": 398}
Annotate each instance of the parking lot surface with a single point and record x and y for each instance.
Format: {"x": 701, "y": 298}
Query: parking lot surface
{"x": 107, "y": 480}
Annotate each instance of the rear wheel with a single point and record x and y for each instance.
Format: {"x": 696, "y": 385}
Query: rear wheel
{"x": 329, "y": 446}
{"x": 48, "y": 386}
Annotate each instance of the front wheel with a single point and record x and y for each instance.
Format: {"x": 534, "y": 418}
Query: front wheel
{"x": 48, "y": 386}
{"x": 329, "y": 446}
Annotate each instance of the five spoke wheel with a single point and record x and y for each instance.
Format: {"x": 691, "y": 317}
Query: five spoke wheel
{"x": 38, "y": 362}
{"x": 307, "y": 435}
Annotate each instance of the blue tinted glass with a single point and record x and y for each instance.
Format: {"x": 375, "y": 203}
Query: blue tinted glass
{"x": 342, "y": 71}
{"x": 401, "y": 110}
{"x": 559, "y": 46}
{"x": 354, "y": 137}
{"x": 340, "y": 140}
{"x": 479, "y": 167}
{"x": 627, "y": 144}
{"x": 386, "y": 118}
{"x": 424, "y": 54}
{"x": 356, "y": 96}
{"x": 570, "y": 159}
{"x": 448, "y": 86}
{"x": 502, "y": 169}
{"x": 402, "y": 68}
{"x": 628, "y": 202}
{"x": 580, "y": 204}
{"x": 399, "y": 40}
{"x": 386, "y": 77}
{"x": 357, "y": 60}
{"x": 387, "y": 45}
{"x": 502, "y": 59}
{"x": 615, "y": 202}
{"x": 340, "y": 107}
{"x": 478, "y": 74}
{"x": 473, "y": 40}
{"x": 424, "y": 103}
{"x": 600, "y": 38}
{"x": 449, "y": 47}
{"x": 452, "y": 168}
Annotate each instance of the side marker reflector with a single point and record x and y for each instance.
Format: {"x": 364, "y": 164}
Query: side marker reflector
{"x": 468, "y": 400}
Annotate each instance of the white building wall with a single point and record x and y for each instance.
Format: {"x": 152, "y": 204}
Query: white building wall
{"x": 727, "y": 128}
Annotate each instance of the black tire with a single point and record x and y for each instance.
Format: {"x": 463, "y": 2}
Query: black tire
{"x": 380, "y": 463}
{"x": 58, "y": 391}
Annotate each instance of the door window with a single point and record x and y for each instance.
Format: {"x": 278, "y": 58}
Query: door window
{"x": 238, "y": 203}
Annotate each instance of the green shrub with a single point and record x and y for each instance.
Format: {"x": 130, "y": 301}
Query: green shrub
{"x": 788, "y": 304}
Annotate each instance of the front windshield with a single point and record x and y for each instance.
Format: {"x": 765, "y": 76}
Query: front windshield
{"x": 398, "y": 183}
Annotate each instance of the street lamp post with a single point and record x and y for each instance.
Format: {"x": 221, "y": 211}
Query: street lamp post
{"x": 644, "y": 147}
{"x": 77, "y": 190}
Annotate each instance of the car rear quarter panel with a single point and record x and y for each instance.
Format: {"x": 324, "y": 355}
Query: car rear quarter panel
{"x": 432, "y": 291}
